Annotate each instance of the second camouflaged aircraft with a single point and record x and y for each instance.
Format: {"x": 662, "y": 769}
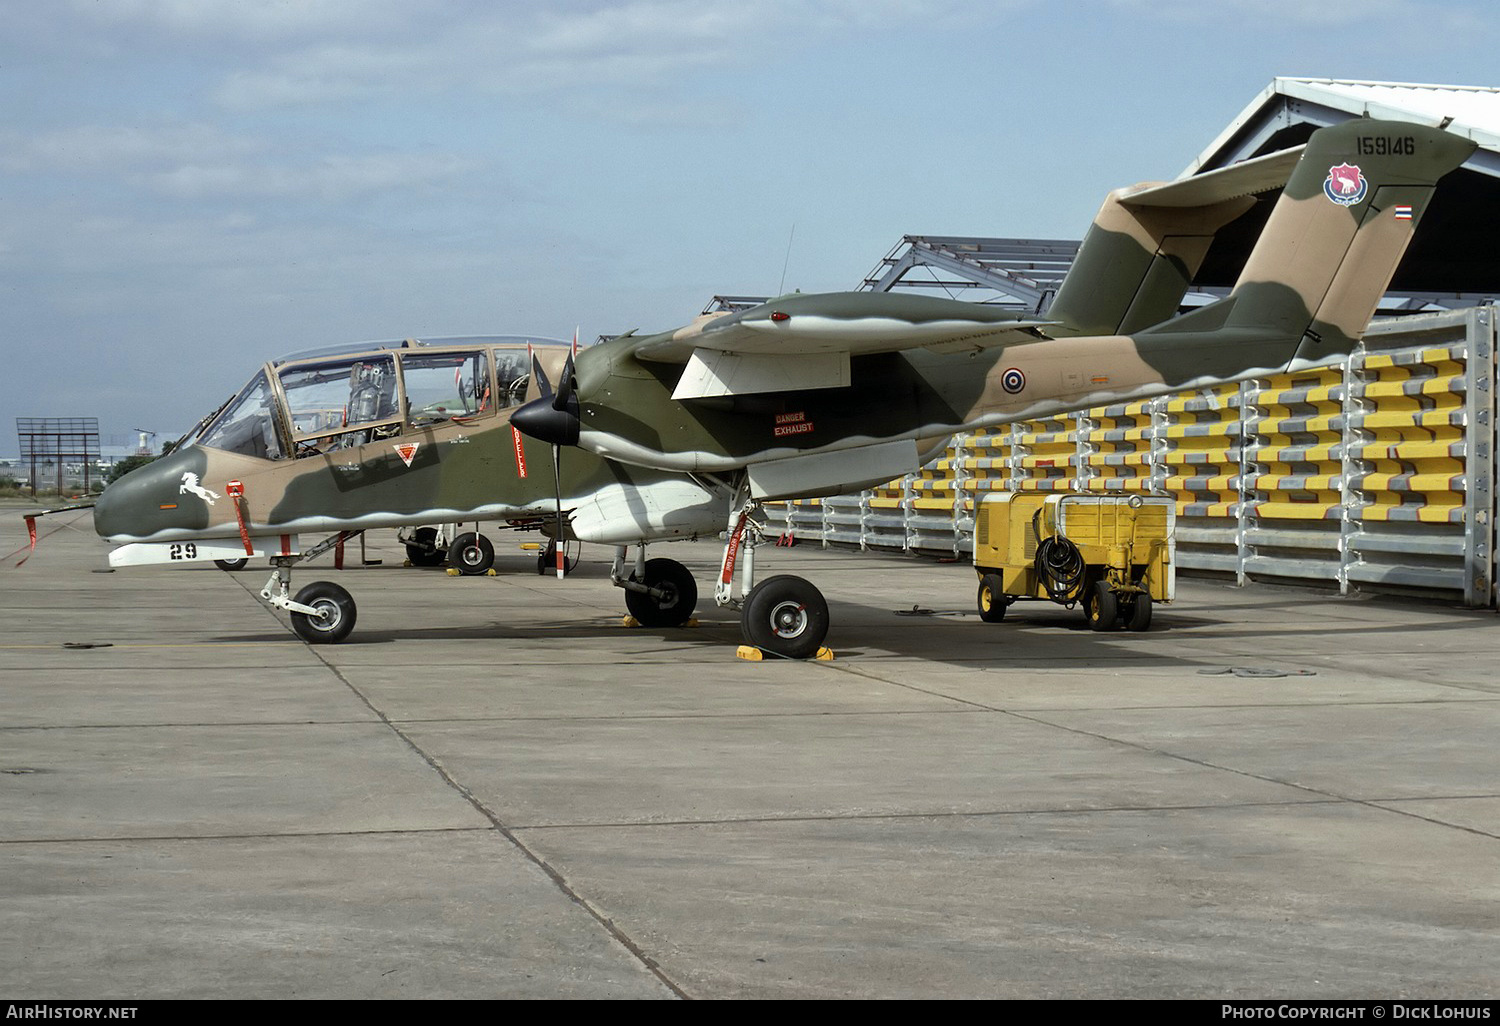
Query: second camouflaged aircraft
{"x": 813, "y": 395}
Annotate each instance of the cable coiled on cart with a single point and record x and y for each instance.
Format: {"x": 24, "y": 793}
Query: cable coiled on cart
{"x": 1059, "y": 567}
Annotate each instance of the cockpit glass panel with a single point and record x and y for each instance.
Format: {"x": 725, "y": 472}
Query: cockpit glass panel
{"x": 342, "y": 403}
{"x": 446, "y": 386}
{"x": 248, "y": 424}
{"x": 513, "y": 373}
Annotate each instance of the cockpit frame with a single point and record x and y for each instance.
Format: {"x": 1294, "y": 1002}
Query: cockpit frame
{"x": 297, "y": 406}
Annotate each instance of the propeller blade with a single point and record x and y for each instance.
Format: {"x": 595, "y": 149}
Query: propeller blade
{"x": 543, "y": 386}
{"x": 564, "y": 386}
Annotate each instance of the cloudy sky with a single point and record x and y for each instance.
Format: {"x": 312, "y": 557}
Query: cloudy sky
{"x": 190, "y": 187}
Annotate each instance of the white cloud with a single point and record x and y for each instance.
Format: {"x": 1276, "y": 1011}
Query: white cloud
{"x": 526, "y": 49}
{"x": 331, "y": 178}
{"x": 1290, "y": 14}
{"x": 110, "y": 148}
{"x": 195, "y": 161}
{"x": 251, "y": 19}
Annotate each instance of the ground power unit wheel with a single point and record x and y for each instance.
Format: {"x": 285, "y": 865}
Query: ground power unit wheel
{"x": 1100, "y": 607}
{"x": 991, "y": 600}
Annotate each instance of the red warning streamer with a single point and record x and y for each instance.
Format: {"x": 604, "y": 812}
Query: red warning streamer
{"x": 236, "y": 490}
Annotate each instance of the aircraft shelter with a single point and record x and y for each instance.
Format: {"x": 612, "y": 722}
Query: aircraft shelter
{"x": 1373, "y": 473}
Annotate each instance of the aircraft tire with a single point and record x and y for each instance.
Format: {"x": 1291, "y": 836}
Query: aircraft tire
{"x": 471, "y": 554}
{"x": 1101, "y": 608}
{"x": 992, "y": 600}
{"x": 679, "y": 603}
{"x": 786, "y": 616}
{"x": 337, "y": 614}
{"x": 1137, "y": 612}
{"x": 231, "y": 565}
{"x": 423, "y": 550}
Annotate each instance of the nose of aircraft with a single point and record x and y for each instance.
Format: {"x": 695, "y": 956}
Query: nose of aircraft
{"x": 154, "y": 498}
{"x": 548, "y": 420}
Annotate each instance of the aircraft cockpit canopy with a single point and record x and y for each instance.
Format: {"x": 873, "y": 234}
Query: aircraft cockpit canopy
{"x": 318, "y": 402}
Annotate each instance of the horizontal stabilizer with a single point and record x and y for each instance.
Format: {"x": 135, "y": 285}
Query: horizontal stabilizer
{"x": 1248, "y": 177}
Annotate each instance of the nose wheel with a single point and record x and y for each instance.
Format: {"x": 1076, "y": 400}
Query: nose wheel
{"x": 322, "y": 613}
{"x": 332, "y": 617}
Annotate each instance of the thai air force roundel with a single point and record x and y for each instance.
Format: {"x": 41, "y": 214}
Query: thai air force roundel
{"x": 1345, "y": 185}
{"x": 1013, "y": 380}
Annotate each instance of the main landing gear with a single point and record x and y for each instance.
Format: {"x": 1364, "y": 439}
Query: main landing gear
{"x": 658, "y": 592}
{"x": 783, "y": 615}
{"x": 322, "y": 612}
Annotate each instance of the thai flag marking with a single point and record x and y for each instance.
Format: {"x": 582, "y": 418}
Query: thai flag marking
{"x": 1403, "y": 212}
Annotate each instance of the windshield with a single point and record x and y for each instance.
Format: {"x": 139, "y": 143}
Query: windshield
{"x": 247, "y": 424}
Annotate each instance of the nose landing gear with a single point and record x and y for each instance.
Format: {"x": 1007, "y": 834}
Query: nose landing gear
{"x": 322, "y": 613}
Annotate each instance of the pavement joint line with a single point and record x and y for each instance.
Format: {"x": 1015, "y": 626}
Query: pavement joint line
{"x": 190, "y": 726}
{"x": 1367, "y": 802}
{"x": 555, "y": 875}
{"x": 748, "y": 820}
{"x": 290, "y": 835}
{"x": 172, "y": 644}
{"x": 854, "y": 817}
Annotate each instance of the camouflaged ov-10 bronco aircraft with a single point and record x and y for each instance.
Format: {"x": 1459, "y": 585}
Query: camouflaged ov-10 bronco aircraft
{"x": 395, "y": 434}
{"x": 819, "y": 394}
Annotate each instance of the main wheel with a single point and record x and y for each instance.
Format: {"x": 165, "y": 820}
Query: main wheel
{"x": 1100, "y": 607}
{"x": 785, "y": 615}
{"x": 335, "y": 617}
{"x": 676, "y": 604}
{"x": 471, "y": 554}
{"x": 992, "y": 601}
{"x": 1137, "y": 612}
{"x": 231, "y": 564}
{"x": 423, "y": 550}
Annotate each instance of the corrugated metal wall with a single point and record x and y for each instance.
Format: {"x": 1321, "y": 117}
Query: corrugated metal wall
{"x": 1373, "y": 474}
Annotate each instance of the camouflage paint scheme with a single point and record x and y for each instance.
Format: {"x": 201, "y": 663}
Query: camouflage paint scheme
{"x": 804, "y": 385}
{"x": 707, "y": 398}
{"x": 462, "y": 469}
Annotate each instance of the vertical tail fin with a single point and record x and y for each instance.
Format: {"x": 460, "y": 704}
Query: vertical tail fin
{"x": 1136, "y": 262}
{"x": 1148, "y": 241}
{"x": 1341, "y": 226}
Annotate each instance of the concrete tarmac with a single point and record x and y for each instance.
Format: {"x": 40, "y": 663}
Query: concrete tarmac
{"x": 495, "y": 790}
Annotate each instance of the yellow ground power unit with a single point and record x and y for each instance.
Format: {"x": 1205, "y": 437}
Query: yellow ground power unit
{"x": 1115, "y": 554}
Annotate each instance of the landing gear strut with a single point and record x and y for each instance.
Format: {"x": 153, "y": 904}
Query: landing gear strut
{"x": 322, "y": 613}
{"x": 783, "y": 615}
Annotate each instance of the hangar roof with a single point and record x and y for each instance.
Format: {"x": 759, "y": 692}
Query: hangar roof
{"x": 1454, "y": 261}
{"x": 1474, "y": 112}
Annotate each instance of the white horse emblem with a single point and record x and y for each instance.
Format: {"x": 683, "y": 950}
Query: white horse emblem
{"x": 190, "y": 484}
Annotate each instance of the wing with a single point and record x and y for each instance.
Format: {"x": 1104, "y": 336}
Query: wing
{"x": 801, "y": 342}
